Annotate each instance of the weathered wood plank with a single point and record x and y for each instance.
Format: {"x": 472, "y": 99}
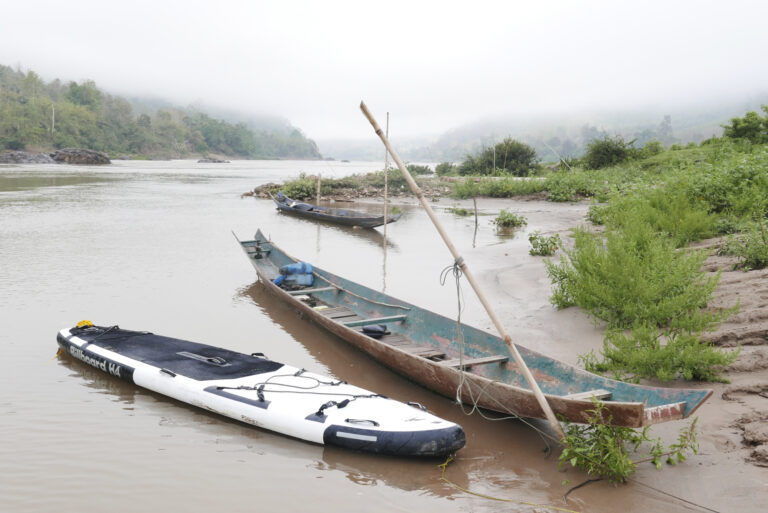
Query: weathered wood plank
{"x": 468, "y": 362}
{"x": 338, "y": 312}
{"x": 309, "y": 291}
{"x": 375, "y": 320}
{"x": 600, "y": 394}
{"x": 423, "y": 351}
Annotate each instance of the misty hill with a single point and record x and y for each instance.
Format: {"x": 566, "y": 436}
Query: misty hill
{"x": 566, "y": 135}
{"x": 41, "y": 116}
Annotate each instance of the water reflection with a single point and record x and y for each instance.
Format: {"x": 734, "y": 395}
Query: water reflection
{"x": 372, "y": 236}
{"x": 122, "y": 391}
{"x": 21, "y": 182}
{"x": 372, "y": 470}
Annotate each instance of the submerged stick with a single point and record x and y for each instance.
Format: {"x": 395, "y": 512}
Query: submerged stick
{"x": 470, "y": 278}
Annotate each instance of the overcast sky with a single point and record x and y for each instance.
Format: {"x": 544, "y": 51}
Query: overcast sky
{"x": 433, "y": 65}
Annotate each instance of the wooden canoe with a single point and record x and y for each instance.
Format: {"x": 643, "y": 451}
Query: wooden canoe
{"x": 424, "y": 347}
{"x": 334, "y": 215}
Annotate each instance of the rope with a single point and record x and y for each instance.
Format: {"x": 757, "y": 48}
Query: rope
{"x": 444, "y": 466}
{"x": 676, "y": 497}
{"x": 464, "y": 383}
{"x": 298, "y": 389}
{"x": 357, "y": 296}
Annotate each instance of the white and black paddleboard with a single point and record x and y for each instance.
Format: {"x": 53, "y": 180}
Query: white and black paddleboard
{"x": 264, "y": 393}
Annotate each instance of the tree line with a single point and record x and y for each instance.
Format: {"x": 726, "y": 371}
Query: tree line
{"x": 39, "y": 116}
{"x": 515, "y": 158}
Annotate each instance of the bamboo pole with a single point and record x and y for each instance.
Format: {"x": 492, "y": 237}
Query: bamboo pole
{"x": 470, "y": 278}
{"x": 318, "y": 190}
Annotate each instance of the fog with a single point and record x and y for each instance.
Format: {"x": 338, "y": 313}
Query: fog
{"x": 434, "y": 65}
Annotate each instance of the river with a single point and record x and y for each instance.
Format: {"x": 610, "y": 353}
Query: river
{"x": 150, "y": 246}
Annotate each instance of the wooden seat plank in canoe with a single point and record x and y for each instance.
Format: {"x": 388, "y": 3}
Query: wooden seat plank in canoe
{"x": 423, "y": 351}
{"x": 586, "y": 396}
{"x": 336, "y": 312}
{"x": 309, "y": 291}
{"x": 395, "y": 339}
{"x": 468, "y": 362}
{"x": 375, "y": 320}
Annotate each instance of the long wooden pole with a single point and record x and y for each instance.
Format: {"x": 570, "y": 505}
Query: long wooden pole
{"x": 470, "y": 278}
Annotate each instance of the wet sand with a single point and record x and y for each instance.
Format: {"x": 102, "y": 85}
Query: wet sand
{"x": 148, "y": 246}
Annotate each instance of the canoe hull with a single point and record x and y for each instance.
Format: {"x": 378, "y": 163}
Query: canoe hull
{"x": 630, "y": 405}
{"x": 339, "y": 216}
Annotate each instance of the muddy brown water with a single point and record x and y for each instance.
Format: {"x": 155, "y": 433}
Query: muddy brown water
{"x": 148, "y": 246}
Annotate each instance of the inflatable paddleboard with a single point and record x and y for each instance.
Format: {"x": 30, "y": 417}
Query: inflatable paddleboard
{"x": 258, "y": 391}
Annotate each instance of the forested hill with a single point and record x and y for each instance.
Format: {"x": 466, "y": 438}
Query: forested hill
{"x": 40, "y": 116}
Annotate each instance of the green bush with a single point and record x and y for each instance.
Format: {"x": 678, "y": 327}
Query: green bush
{"x": 446, "y": 169}
{"x": 603, "y": 451}
{"x": 300, "y": 189}
{"x": 660, "y": 354}
{"x": 751, "y": 247}
{"x": 416, "y": 170}
{"x": 607, "y": 152}
{"x": 459, "y": 211}
{"x": 633, "y": 274}
{"x": 636, "y": 279}
{"x": 544, "y": 246}
{"x": 509, "y": 157}
{"x": 650, "y": 149}
{"x": 751, "y": 127}
{"x": 507, "y": 219}
{"x": 668, "y": 210}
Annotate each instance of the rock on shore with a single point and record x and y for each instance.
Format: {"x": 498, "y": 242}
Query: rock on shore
{"x": 80, "y": 156}
{"x": 23, "y": 157}
{"x": 211, "y": 160}
{"x": 65, "y": 156}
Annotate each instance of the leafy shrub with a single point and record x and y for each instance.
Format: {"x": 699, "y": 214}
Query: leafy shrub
{"x": 751, "y": 247}
{"x": 597, "y": 213}
{"x": 635, "y": 274}
{"x": 660, "y": 354}
{"x": 636, "y": 279}
{"x": 507, "y": 219}
{"x": 466, "y": 189}
{"x": 507, "y": 157}
{"x": 603, "y": 451}
{"x": 416, "y": 170}
{"x": 650, "y": 149}
{"x": 301, "y": 189}
{"x": 459, "y": 211}
{"x": 446, "y": 169}
{"x": 667, "y": 210}
{"x": 544, "y": 246}
{"x": 751, "y": 127}
{"x": 606, "y": 152}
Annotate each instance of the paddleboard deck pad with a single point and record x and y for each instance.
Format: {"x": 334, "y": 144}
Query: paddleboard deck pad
{"x": 258, "y": 391}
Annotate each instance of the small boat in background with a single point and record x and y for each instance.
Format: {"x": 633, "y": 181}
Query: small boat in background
{"x": 334, "y": 215}
{"x": 426, "y": 348}
{"x": 258, "y": 391}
